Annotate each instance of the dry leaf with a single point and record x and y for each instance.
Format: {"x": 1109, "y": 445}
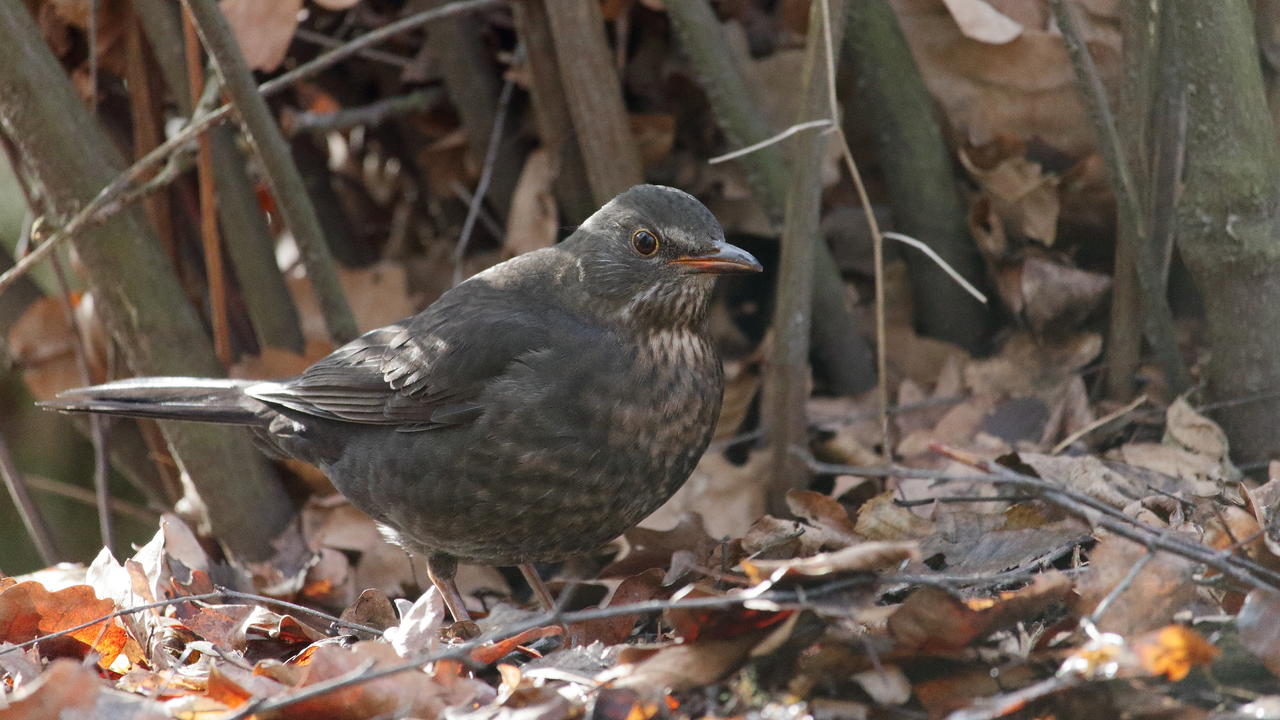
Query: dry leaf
{"x": 856, "y": 558}
{"x": 1031, "y": 366}
{"x": 1194, "y": 431}
{"x": 682, "y": 667}
{"x": 729, "y": 497}
{"x": 263, "y": 29}
{"x": 66, "y": 689}
{"x": 932, "y": 620}
{"x": 378, "y": 294}
{"x": 28, "y": 611}
{"x": 1020, "y": 193}
{"x": 42, "y": 343}
{"x": 981, "y": 22}
{"x": 233, "y": 686}
{"x": 824, "y": 513}
{"x": 402, "y": 695}
{"x": 534, "y": 217}
{"x": 372, "y": 609}
{"x": 1161, "y": 589}
{"x": 1172, "y": 651}
{"x": 886, "y": 685}
{"x": 1259, "y": 623}
{"x": 655, "y": 135}
{"x": 1054, "y": 296}
{"x": 1025, "y": 88}
{"x": 882, "y": 519}
{"x": 420, "y": 623}
{"x": 640, "y": 587}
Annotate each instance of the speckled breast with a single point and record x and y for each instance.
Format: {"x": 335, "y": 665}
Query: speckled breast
{"x": 570, "y": 453}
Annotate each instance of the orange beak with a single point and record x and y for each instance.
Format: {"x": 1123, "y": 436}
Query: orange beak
{"x": 726, "y": 259}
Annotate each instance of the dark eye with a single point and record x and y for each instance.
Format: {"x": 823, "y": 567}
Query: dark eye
{"x": 645, "y": 242}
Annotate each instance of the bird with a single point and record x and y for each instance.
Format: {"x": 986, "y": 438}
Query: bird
{"x": 533, "y": 412}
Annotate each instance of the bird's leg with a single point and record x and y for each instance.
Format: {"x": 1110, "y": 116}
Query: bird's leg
{"x": 539, "y": 589}
{"x": 441, "y": 569}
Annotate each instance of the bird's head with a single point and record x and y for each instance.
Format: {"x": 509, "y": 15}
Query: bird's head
{"x": 652, "y": 253}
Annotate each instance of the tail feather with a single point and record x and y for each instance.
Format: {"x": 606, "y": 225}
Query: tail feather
{"x": 166, "y": 398}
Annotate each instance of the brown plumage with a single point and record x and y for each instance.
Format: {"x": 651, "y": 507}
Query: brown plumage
{"x": 533, "y": 412}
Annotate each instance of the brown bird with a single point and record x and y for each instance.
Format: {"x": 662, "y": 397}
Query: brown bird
{"x": 533, "y": 412}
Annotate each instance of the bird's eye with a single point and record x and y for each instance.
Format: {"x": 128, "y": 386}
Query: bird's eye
{"x": 645, "y": 242}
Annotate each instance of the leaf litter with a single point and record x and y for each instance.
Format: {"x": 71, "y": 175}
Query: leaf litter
{"x": 939, "y": 590}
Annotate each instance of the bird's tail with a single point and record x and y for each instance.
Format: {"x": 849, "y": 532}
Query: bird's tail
{"x": 166, "y": 398}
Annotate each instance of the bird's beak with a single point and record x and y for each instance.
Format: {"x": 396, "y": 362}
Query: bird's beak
{"x": 726, "y": 259}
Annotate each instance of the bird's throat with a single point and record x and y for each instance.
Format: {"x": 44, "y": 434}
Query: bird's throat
{"x": 670, "y": 305}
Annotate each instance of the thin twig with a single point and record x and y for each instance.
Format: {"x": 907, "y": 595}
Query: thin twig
{"x": 78, "y": 494}
{"x": 462, "y": 652}
{"x": 282, "y": 174}
{"x": 97, "y": 422}
{"x": 210, "y": 241}
{"x": 1129, "y": 203}
{"x": 1120, "y": 587}
{"x": 798, "y": 127}
{"x": 1110, "y": 518}
{"x": 937, "y": 259}
{"x": 1109, "y": 417}
{"x": 92, "y": 30}
{"x": 486, "y": 175}
{"x": 333, "y": 620}
{"x": 877, "y": 244}
{"x": 375, "y": 113}
{"x": 386, "y": 58}
{"x": 962, "y": 499}
{"x": 120, "y": 192}
{"x": 216, "y": 595}
{"x": 27, "y": 510}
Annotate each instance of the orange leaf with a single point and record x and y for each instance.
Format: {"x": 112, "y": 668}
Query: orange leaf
{"x": 492, "y": 653}
{"x": 1173, "y": 650}
{"x": 28, "y": 611}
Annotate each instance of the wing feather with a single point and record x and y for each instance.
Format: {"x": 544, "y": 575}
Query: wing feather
{"x": 428, "y": 371}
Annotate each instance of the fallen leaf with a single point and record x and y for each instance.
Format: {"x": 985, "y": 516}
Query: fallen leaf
{"x": 412, "y": 693}
{"x": 701, "y": 624}
{"x": 420, "y": 623}
{"x": 1259, "y": 624}
{"x": 1195, "y": 432}
{"x": 825, "y": 513}
{"x": 1172, "y": 651}
{"x": 886, "y": 685}
{"x": 66, "y": 689}
{"x": 233, "y": 686}
{"x": 933, "y": 620}
{"x": 855, "y": 558}
{"x": 640, "y": 587}
{"x": 1054, "y": 296}
{"x": 534, "y": 217}
{"x": 655, "y": 135}
{"x": 979, "y": 21}
{"x": 372, "y": 609}
{"x": 28, "y": 611}
{"x": 882, "y": 519}
{"x": 1163, "y": 587}
{"x": 687, "y": 666}
{"x": 728, "y": 497}
{"x": 1019, "y": 192}
{"x": 1024, "y": 88}
{"x": 263, "y": 29}
{"x": 43, "y": 345}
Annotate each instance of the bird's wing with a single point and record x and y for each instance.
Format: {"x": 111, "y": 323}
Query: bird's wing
{"x": 427, "y": 371}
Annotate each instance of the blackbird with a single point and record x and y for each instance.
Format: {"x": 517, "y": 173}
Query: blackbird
{"x": 533, "y": 412}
